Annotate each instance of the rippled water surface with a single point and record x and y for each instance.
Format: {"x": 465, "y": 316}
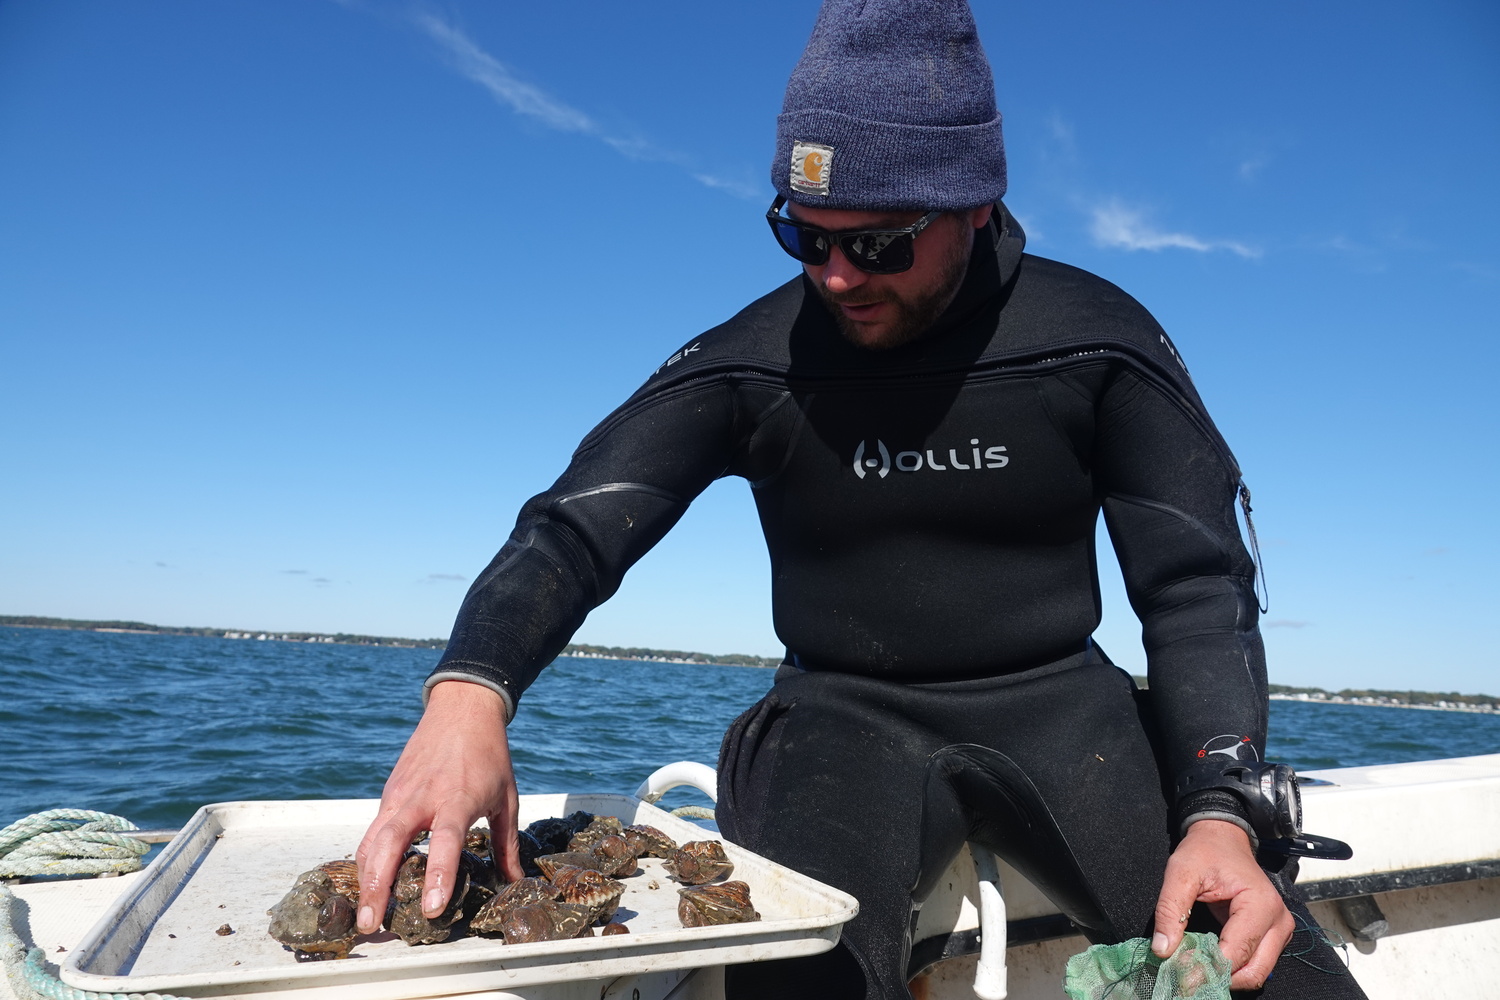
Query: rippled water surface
{"x": 153, "y": 726}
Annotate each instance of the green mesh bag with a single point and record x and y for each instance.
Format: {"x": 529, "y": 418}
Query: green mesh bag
{"x": 1129, "y": 970}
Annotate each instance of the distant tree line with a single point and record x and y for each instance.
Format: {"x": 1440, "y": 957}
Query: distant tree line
{"x": 645, "y": 653}
{"x": 347, "y": 638}
{"x": 641, "y": 653}
{"x": 1390, "y": 697}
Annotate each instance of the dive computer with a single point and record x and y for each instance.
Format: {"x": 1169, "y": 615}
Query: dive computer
{"x": 1272, "y": 799}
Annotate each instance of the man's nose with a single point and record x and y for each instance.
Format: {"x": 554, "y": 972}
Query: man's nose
{"x": 839, "y": 275}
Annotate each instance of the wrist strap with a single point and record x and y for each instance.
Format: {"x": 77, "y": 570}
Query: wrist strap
{"x": 1211, "y": 803}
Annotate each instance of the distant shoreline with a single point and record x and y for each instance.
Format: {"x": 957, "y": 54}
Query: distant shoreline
{"x": 1452, "y": 701}
{"x": 582, "y": 650}
{"x": 145, "y": 628}
{"x": 1368, "y": 701}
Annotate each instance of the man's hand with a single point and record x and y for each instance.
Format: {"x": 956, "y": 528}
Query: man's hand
{"x": 1214, "y": 865}
{"x": 455, "y": 769}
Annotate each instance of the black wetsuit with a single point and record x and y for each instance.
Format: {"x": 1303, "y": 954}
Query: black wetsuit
{"x": 930, "y": 515}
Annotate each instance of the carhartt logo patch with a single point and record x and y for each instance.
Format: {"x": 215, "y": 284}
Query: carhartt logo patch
{"x": 812, "y": 165}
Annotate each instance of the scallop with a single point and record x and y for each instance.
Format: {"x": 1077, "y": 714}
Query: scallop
{"x": 649, "y": 841}
{"x": 523, "y": 892}
{"x": 699, "y": 861}
{"x": 546, "y": 921}
{"x": 589, "y": 888}
{"x": 704, "y": 905}
{"x": 316, "y": 916}
{"x": 404, "y": 917}
{"x": 601, "y": 827}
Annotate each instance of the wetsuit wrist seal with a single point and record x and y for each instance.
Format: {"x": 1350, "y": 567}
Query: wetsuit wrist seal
{"x": 1261, "y": 798}
{"x": 1214, "y": 804}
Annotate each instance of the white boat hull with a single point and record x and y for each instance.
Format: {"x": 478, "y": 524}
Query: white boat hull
{"x": 1427, "y": 854}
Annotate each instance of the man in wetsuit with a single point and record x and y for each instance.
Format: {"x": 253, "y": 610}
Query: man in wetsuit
{"x": 931, "y": 421}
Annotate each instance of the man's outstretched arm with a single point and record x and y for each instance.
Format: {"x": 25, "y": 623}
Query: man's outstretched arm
{"x": 628, "y": 483}
{"x": 454, "y": 770}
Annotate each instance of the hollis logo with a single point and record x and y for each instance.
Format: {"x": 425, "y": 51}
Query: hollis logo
{"x": 993, "y": 457}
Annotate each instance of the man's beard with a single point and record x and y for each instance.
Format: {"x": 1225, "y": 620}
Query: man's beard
{"x": 914, "y": 316}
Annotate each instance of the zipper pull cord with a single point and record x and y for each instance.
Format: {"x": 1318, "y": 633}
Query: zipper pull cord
{"x": 1262, "y": 592}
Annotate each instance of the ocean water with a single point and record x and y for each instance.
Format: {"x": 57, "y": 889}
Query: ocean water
{"x": 153, "y": 726}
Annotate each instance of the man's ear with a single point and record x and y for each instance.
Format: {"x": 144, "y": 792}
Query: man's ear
{"x": 980, "y": 215}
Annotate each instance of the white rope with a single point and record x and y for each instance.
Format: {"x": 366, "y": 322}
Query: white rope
{"x": 59, "y": 842}
{"x": 27, "y": 971}
{"x": 693, "y": 812}
{"x": 69, "y": 842}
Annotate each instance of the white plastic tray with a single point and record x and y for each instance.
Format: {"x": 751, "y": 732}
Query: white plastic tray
{"x": 234, "y": 860}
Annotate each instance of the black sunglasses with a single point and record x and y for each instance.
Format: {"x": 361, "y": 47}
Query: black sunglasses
{"x": 878, "y": 251}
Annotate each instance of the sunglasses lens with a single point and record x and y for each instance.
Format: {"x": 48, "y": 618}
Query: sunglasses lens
{"x": 878, "y": 253}
{"x": 808, "y": 247}
{"x": 874, "y": 251}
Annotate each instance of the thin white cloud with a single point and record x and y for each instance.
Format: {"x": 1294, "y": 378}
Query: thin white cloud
{"x": 1343, "y": 244}
{"x": 1118, "y": 226}
{"x": 1286, "y": 623}
{"x": 1064, "y": 138}
{"x": 473, "y": 63}
{"x": 644, "y": 151}
{"x": 1251, "y": 166}
{"x": 470, "y": 61}
{"x": 638, "y": 149}
{"x": 739, "y": 189}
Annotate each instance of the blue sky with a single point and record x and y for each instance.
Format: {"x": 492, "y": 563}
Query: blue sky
{"x": 299, "y": 300}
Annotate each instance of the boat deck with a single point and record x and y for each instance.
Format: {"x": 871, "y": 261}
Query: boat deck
{"x": 1423, "y": 889}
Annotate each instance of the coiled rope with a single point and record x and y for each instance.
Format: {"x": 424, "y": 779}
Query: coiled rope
{"x": 693, "y": 812}
{"x": 59, "y": 842}
{"x": 69, "y": 842}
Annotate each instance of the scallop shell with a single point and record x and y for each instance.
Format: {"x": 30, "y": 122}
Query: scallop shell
{"x": 601, "y": 827}
{"x": 699, "y": 861}
{"x": 704, "y": 905}
{"x": 550, "y": 863}
{"x": 591, "y": 889}
{"x": 405, "y": 917}
{"x": 477, "y": 841}
{"x": 649, "y": 841}
{"x": 344, "y": 876}
{"x": 546, "y": 921}
{"x": 522, "y": 892}
{"x": 616, "y": 859}
{"x": 316, "y": 916}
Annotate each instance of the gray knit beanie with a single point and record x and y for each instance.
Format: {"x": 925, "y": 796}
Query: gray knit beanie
{"x": 892, "y": 106}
